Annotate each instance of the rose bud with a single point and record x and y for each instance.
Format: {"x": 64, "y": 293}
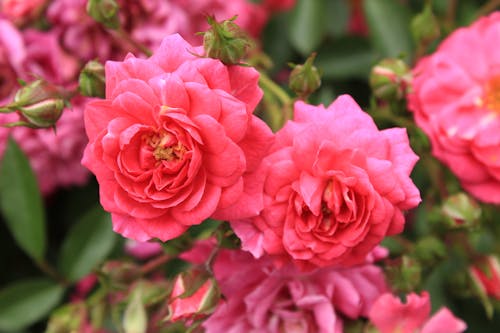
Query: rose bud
{"x": 390, "y": 79}
{"x": 105, "y": 12}
{"x": 92, "y": 80}
{"x": 425, "y": 27}
{"x": 486, "y": 276}
{"x": 462, "y": 211}
{"x": 225, "y": 41}
{"x": 305, "y": 79}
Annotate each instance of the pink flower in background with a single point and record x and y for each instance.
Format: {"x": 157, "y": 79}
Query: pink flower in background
{"x": 21, "y": 10}
{"x": 54, "y": 156}
{"x": 80, "y": 34}
{"x": 12, "y": 57}
{"x": 278, "y": 5}
{"x": 334, "y": 187}
{"x": 456, "y": 101}
{"x": 258, "y": 298}
{"x": 142, "y": 250}
{"x": 389, "y": 315}
{"x": 175, "y": 142}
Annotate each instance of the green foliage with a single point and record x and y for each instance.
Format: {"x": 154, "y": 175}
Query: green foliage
{"x": 21, "y": 202}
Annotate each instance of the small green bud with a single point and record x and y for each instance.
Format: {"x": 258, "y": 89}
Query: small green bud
{"x": 92, "y": 80}
{"x": 390, "y": 79}
{"x": 43, "y": 114}
{"x": 34, "y": 92}
{"x": 135, "y": 319}
{"x": 105, "y": 12}
{"x": 305, "y": 79}
{"x": 425, "y": 26}
{"x": 429, "y": 250}
{"x": 225, "y": 41}
{"x": 462, "y": 211}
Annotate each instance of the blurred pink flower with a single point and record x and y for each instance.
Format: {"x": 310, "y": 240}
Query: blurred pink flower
{"x": 259, "y": 298}
{"x": 334, "y": 187}
{"x": 21, "y": 10}
{"x": 80, "y": 34}
{"x": 456, "y": 101}
{"x": 278, "y": 5}
{"x": 175, "y": 142}
{"x": 389, "y": 315}
{"x": 142, "y": 250}
{"x": 12, "y": 57}
{"x": 54, "y": 156}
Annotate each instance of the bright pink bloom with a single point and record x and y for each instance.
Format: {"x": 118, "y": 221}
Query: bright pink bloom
{"x": 455, "y": 100}
{"x": 259, "y": 298}
{"x": 142, "y": 250}
{"x": 175, "y": 142}
{"x": 21, "y": 10}
{"x": 389, "y": 315}
{"x": 54, "y": 155}
{"x": 487, "y": 276}
{"x": 335, "y": 186}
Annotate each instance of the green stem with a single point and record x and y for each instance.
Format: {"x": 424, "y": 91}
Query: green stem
{"x": 488, "y": 7}
{"x": 155, "y": 263}
{"x": 124, "y": 35}
{"x": 269, "y": 85}
{"x": 50, "y": 271}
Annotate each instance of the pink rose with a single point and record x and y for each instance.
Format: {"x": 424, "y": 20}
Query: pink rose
{"x": 54, "y": 156}
{"x": 334, "y": 187}
{"x": 455, "y": 101}
{"x": 389, "y": 315}
{"x": 259, "y": 298}
{"x": 175, "y": 142}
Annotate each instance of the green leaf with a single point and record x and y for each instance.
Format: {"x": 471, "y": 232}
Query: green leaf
{"x": 21, "y": 202}
{"x": 308, "y": 25}
{"x": 389, "y": 24}
{"x": 349, "y": 57}
{"x": 88, "y": 243}
{"x": 24, "y": 303}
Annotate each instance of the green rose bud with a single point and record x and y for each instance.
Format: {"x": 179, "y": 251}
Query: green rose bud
{"x": 92, "y": 80}
{"x": 225, "y": 41}
{"x": 305, "y": 79}
{"x": 390, "y": 79}
{"x": 105, "y": 12}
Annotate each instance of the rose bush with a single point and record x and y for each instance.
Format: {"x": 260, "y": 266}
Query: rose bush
{"x": 456, "y": 101}
{"x": 175, "y": 142}
{"x": 334, "y": 187}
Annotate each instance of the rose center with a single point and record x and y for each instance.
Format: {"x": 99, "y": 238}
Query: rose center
{"x": 166, "y": 147}
{"x": 491, "y": 95}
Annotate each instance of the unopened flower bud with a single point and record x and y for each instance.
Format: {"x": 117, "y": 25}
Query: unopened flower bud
{"x": 486, "y": 276}
{"x": 425, "y": 26}
{"x": 34, "y": 92}
{"x": 43, "y": 114}
{"x": 305, "y": 79}
{"x": 135, "y": 319}
{"x": 225, "y": 41}
{"x": 429, "y": 250}
{"x": 92, "y": 80}
{"x": 462, "y": 211}
{"x": 390, "y": 79}
{"x": 105, "y": 12}
{"x": 190, "y": 299}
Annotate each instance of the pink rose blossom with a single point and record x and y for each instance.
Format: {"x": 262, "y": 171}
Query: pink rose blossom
{"x": 54, "y": 156}
{"x": 389, "y": 315}
{"x": 175, "y": 142}
{"x": 455, "y": 101}
{"x": 142, "y": 250}
{"x": 258, "y": 298}
{"x": 334, "y": 187}
{"x": 190, "y": 307}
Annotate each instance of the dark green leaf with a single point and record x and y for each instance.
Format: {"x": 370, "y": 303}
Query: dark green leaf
{"x": 345, "y": 58}
{"x": 26, "y": 302}
{"x": 21, "y": 202}
{"x": 389, "y": 24}
{"x": 87, "y": 244}
{"x": 308, "y": 25}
